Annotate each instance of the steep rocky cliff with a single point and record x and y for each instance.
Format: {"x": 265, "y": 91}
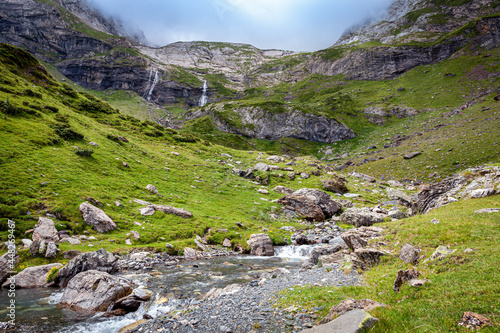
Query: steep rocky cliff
{"x": 261, "y": 123}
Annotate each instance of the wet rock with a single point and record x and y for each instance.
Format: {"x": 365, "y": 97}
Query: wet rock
{"x": 33, "y": 277}
{"x": 189, "y": 253}
{"x": 473, "y": 320}
{"x": 261, "y": 245}
{"x": 348, "y": 305}
{"x": 96, "y": 218}
{"x": 174, "y": 211}
{"x": 132, "y": 326}
{"x": 412, "y": 155}
{"x": 100, "y": 260}
{"x": 152, "y": 189}
{"x": 94, "y": 291}
{"x": 409, "y": 254}
{"x": 404, "y": 276}
{"x": 127, "y": 304}
{"x": 283, "y": 190}
{"x": 358, "y": 217}
{"x": 219, "y": 292}
{"x": 354, "y": 321}
{"x": 336, "y": 184}
{"x": 45, "y": 230}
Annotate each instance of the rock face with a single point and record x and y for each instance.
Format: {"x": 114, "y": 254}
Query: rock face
{"x": 358, "y": 217}
{"x": 94, "y": 291}
{"x": 45, "y": 230}
{"x": 34, "y": 277}
{"x": 262, "y": 124}
{"x": 100, "y": 260}
{"x": 261, "y": 245}
{"x": 436, "y": 195}
{"x": 96, "y": 218}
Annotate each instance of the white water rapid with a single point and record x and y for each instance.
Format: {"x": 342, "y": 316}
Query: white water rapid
{"x": 204, "y": 99}
{"x": 301, "y": 252}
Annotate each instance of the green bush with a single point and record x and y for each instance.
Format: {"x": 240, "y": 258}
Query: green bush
{"x": 84, "y": 152}
{"x": 31, "y": 93}
{"x": 66, "y": 133}
{"x": 51, "y": 276}
{"x": 50, "y": 108}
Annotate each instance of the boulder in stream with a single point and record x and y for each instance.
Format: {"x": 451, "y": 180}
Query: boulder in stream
{"x": 94, "y": 291}
{"x": 261, "y": 245}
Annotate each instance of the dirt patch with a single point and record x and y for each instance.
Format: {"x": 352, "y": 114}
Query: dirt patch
{"x": 479, "y": 73}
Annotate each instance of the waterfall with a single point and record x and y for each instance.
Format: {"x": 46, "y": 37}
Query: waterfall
{"x": 204, "y": 99}
{"x": 155, "y": 81}
{"x": 294, "y": 251}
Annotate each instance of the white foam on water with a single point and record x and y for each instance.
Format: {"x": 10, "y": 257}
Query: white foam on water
{"x": 301, "y": 252}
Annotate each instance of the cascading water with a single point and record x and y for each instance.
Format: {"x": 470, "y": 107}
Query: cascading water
{"x": 155, "y": 81}
{"x": 301, "y": 252}
{"x": 204, "y": 99}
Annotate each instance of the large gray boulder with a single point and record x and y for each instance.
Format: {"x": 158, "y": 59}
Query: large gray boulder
{"x": 350, "y": 304}
{"x": 45, "y": 230}
{"x": 96, "y": 218}
{"x": 33, "y": 277}
{"x": 322, "y": 199}
{"x": 401, "y": 197}
{"x": 94, "y": 291}
{"x": 301, "y": 205}
{"x": 261, "y": 245}
{"x": 358, "y": 217}
{"x": 100, "y": 260}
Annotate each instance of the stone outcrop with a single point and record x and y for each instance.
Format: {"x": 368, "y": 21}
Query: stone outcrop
{"x": 94, "y": 291}
{"x": 96, "y": 218}
{"x": 436, "y": 195}
{"x": 45, "y": 230}
{"x": 261, "y": 245}
{"x": 172, "y": 210}
{"x": 33, "y": 277}
{"x": 260, "y": 123}
{"x": 336, "y": 184}
{"x": 404, "y": 276}
{"x": 409, "y": 254}
{"x": 100, "y": 260}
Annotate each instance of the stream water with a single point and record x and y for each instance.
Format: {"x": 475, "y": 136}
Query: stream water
{"x": 175, "y": 288}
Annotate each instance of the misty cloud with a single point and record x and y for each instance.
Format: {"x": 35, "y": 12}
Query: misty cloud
{"x": 298, "y": 25}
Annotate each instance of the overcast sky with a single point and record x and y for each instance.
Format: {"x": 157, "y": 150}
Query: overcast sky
{"x": 297, "y": 25}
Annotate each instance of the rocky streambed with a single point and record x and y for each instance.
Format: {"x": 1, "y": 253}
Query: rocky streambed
{"x": 231, "y": 294}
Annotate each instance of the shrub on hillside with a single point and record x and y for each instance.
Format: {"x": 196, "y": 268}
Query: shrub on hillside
{"x": 65, "y": 132}
{"x": 84, "y": 152}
